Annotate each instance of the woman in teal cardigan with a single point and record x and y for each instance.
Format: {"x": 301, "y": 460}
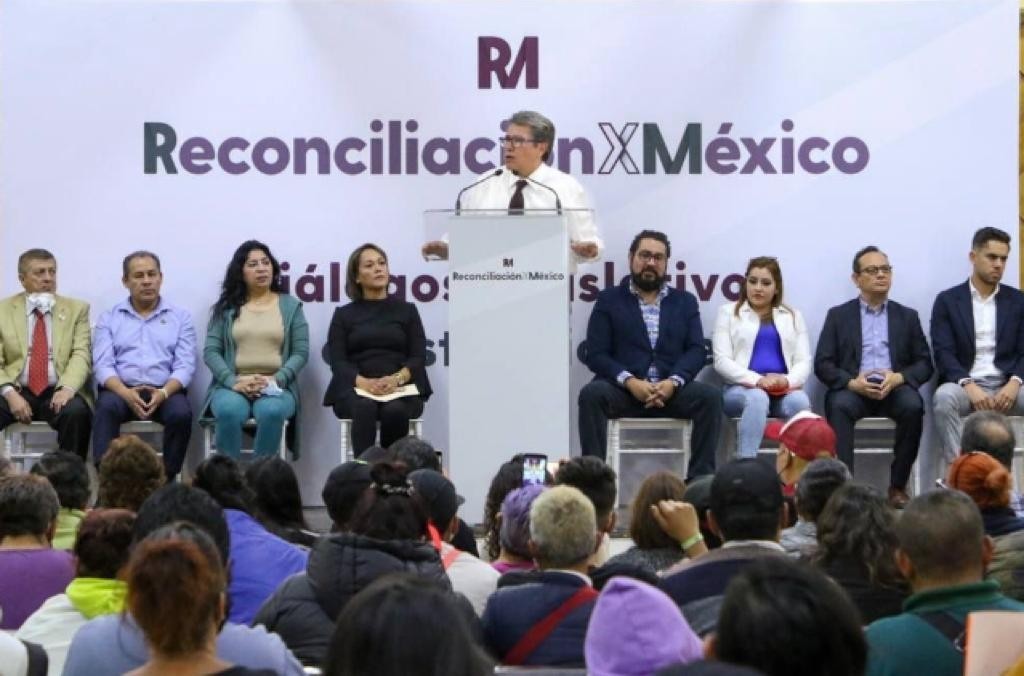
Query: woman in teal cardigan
{"x": 256, "y": 344}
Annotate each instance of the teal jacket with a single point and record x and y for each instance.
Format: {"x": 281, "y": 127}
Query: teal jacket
{"x": 219, "y": 355}
{"x": 906, "y": 645}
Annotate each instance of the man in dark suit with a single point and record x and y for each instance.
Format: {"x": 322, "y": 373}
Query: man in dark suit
{"x": 873, "y": 357}
{"x": 978, "y": 337}
{"x": 645, "y": 346}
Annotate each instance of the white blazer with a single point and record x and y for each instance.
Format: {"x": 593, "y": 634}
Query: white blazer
{"x": 733, "y": 344}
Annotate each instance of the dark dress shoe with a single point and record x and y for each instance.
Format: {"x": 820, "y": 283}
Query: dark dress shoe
{"x": 898, "y": 498}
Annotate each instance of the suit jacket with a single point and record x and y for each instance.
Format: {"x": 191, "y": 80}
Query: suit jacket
{"x": 734, "y": 337}
{"x": 617, "y": 338}
{"x": 71, "y": 336}
{"x": 837, "y": 359}
{"x": 953, "y": 332}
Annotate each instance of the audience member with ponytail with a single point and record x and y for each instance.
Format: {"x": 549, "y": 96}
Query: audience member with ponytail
{"x": 177, "y": 593}
{"x": 387, "y": 534}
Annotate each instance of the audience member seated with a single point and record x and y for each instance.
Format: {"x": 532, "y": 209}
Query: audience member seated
{"x": 943, "y": 553}
{"x": 635, "y": 629}
{"x": 111, "y": 645}
{"x": 508, "y": 478}
{"x": 344, "y": 487}
{"x": 988, "y": 483}
{"x": 101, "y": 551}
{"x": 698, "y": 494}
{"x": 376, "y": 348}
{"x": 639, "y": 372}
{"x": 596, "y": 480}
{"x": 375, "y": 454}
{"x": 544, "y": 622}
{"x": 401, "y": 624}
{"x": 144, "y": 355}
{"x": 45, "y": 361}
{"x": 418, "y": 453}
{"x": 514, "y": 535}
{"x": 990, "y": 432}
{"x": 259, "y": 560}
{"x": 469, "y": 576}
{"x": 857, "y": 548}
{"x": 388, "y": 534}
{"x": 653, "y": 549}
{"x": 747, "y": 512}
{"x": 257, "y": 341}
{"x": 763, "y": 354}
{"x": 802, "y": 439}
{"x": 786, "y": 619}
{"x": 177, "y": 593}
{"x": 277, "y": 500}
{"x": 68, "y": 475}
{"x": 817, "y": 484}
{"x": 31, "y": 571}
{"x": 130, "y": 472}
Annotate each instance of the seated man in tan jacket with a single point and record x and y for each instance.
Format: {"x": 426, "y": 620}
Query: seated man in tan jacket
{"x": 45, "y": 355}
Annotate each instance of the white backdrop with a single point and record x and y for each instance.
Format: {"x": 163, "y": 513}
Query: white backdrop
{"x": 929, "y": 89}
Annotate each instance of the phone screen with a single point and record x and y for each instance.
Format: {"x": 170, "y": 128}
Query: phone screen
{"x": 534, "y": 469}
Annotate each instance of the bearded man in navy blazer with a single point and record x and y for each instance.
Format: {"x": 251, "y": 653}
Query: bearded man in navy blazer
{"x": 873, "y": 358}
{"x": 645, "y": 346}
{"x": 978, "y": 337}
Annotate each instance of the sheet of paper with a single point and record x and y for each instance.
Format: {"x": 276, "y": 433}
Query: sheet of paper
{"x": 404, "y": 391}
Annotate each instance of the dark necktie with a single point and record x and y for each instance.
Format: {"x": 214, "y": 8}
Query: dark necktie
{"x": 39, "y": 362}
{"x": 515, "y": 205}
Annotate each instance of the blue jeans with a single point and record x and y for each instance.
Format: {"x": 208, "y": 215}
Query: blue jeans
{"x": 752, "y": 405}
{"x": 231, "y": 409}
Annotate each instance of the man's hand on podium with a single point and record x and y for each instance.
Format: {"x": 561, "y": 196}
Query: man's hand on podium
{"x": 584, "y": 249}
{"x": 437, "y": 249}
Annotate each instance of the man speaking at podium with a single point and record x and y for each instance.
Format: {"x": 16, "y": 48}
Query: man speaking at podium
{"x": 527, "y": 182}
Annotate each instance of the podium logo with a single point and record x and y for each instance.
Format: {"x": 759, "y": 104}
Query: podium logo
{"x": 507, "y": 263}
{"x": 494, "y": 61}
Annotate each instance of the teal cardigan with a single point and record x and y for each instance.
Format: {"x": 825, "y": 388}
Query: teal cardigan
{"x": 219, "y": 355}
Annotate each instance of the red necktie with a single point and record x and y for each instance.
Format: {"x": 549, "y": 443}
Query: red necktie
{"x": 515, "y": 205}
{"x": 39, "y": 362}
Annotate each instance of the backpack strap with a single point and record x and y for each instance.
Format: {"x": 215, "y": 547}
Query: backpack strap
{"x": 38, "y": 660}
{"x": 448, "y": 558}
{"x": 539, "y": 632}
{"x": 947, "y": 624}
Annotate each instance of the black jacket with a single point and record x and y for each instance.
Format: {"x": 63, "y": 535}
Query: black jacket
{"x": 304, "y": 609}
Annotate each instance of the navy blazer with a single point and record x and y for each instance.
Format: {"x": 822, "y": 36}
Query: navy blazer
{"x": 617, "y": 338}
{"x": 953, "y": 332}
{"x": 838, "y": 356}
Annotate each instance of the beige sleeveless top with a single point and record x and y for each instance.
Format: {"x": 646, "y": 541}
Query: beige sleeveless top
{"x": 258, "y": 336}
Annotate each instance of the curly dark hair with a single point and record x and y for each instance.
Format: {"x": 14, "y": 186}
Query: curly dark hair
{"x": 508, "y": 478}
{"x": 233, "y": 292}
{"x": 129, "y": 473}
{"x": 858, "y": 523}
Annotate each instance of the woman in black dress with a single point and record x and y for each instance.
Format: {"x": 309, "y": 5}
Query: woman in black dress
{"x": 376, "y": 345}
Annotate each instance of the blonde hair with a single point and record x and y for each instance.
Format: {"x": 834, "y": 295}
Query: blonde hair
{"x": 563, "y": 527}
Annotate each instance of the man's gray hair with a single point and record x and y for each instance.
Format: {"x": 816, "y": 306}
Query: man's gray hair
{"x": 989, "y": 432}
{"x": 141, "y": 253}
{"x": 563, "y": 527}
{"x": 541, "y": 128}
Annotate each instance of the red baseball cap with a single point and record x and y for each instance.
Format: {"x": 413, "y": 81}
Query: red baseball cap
{"x": 805, "y": 435}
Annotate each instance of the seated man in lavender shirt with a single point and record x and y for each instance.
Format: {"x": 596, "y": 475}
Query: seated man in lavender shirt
{"x": 31, "y": 571}
{"x": 144, "y": 356}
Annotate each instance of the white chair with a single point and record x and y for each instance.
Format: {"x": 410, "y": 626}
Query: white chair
{"x": 647, "y": 436}
{"x": 15, "y": 441}
{"x": 415, "y": 430}
{"x": 209, "y": 427}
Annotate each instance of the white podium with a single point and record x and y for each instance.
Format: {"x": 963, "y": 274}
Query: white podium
{"x": 510, "y": 342}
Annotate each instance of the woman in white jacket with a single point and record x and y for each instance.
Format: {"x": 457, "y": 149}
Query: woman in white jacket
{"x": 763, "y": 354}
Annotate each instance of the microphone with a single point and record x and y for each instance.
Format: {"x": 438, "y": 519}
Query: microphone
{"x": 458, "y": 198}
{"x": 558, "y": 200}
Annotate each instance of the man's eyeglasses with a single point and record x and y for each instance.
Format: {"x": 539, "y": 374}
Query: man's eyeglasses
{"x": 873, "y": 270}
{"x": 651, "y": 257}
{"x": 515, "y": 141}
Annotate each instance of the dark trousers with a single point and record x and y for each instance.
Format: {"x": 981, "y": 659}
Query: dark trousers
{"x": 175, "y": 415}
{"x": 600, "y": 400}
{"x": 73, "y": 423}
{"x": 844, "y": 408}
{"x": 394, "y": 417}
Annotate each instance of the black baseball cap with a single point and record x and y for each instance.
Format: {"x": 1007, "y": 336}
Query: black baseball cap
{"x": 438, "y": 494}
{"x": 746, "y": 484}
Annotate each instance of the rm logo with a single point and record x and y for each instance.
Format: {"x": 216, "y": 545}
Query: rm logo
{"x": 494, "y": 57}
{"x": 507, "y": 263}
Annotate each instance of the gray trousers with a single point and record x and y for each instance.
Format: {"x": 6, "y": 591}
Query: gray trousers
{"x": 950, "y": 404}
